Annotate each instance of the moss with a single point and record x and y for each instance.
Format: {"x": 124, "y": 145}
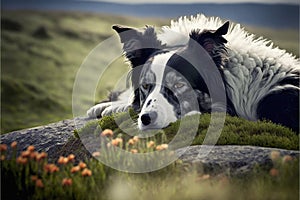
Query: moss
{"x": 236, "y": 131}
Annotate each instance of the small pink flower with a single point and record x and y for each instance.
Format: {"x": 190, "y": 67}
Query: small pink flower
{"x": 30, "y": 148}
{"x": 75, "y": 169}
{"x": 86, "y": 172}
{"x": 275, "y": 155}
{"x": 3, "y": 147}
{"x": 287, "y": 159}
{"x": 274, "y": 172}
{"x": 134, "y": 151}
{"x": 162, "y": 147}
{"x": 96, "y": 154}
{"x": 39, "y": 183}
{"x": 13, "y": 144}
{"x": 67, "y": 182}
{"x": 150, "y": 144}
{"x": 82, "y": 165}
{"x": 107, "y": 132}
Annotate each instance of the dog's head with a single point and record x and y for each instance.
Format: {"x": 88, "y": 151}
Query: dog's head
{"x": 171, "y": 82}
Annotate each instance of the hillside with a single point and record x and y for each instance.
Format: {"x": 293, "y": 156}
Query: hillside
{"x": 42, "y": 51}
{"x": 276, "y": 15}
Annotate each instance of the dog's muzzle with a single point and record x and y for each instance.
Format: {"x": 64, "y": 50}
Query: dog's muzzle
{"x": 148, "y": 118}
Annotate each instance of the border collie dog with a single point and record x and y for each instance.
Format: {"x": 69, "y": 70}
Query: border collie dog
{"x": 171, "y": 77}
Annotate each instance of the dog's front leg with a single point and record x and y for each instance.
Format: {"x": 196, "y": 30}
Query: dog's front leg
{"x": 96, "y": 111}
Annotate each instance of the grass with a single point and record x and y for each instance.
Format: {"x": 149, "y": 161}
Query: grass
{"x": 38, "y": 69}
{"x": 41, "y": 53}
{"x": 236, "y": 131}
{"x": 37, "y": 73}
{"x": 31, "y": 176}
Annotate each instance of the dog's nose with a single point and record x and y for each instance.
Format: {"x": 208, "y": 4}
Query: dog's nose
{"x": 147, "y": 118}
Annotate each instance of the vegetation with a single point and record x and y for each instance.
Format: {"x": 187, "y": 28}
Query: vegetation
{"x": 31, "y": 176}
{"x": 236, "y": 131}
{"x": 42, "y": 51}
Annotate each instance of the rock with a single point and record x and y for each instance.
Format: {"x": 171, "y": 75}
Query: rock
{"x": 50, "y": 138}
{"x": 233, "y": 159}
{"x": 58, "y": 139}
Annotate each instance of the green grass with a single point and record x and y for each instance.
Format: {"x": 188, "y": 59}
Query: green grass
{"x": 177, "y": 181}
{"x": 37, "y": 73}
{"x": 37, "y": 76}
{"x": 236, "y": 131}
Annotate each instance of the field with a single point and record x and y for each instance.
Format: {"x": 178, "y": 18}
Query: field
{"x": 42, "y": 52}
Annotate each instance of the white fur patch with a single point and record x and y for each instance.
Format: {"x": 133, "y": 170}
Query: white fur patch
{"x": 107, "y": 108}
{"x": 159, "y": 104}
{"x": 254, "y": 68}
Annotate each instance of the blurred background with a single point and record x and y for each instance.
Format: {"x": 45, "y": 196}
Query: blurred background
{"x": 43, "y": 44}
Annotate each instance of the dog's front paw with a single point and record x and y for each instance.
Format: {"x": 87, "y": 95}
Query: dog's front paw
{"x": 115, "y": 108}
{"x": 193, "y": 113}
{"x": 96, "y": 111}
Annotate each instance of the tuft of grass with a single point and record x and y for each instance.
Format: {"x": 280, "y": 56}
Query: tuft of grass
{"x": 30, "y": 176}
{"x": 236, "y": 131}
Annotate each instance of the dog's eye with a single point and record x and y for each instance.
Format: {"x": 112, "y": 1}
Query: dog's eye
{"x": 146, "y": 86}
{"x": 178, "y": 85}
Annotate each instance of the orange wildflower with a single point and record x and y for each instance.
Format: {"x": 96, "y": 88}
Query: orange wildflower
{"x": 75, "y": 169}
{"x": 71, "y": 157}
{"x": 287, "y": 158}
{"x": 274, "y": 172}
{"x": 150, "y": 144}
{"x": 107, "y": 132}
{"x": 114, "y": 142}
{"x": 117, "y": 141}
{"x": 2, "y": 157}
{"x": 135, "y": 138}
{"x": 25, "y": 154}
{"x": 51, "y": 168}
{"x": 33, "y": 155}
{"x": 34, "y": 177}
{"x": 134, "y": 151}
{"x": 131, "y": 142}
{"x": 96, "y": 154}
{"x": 30, "y": 148}
{"x": 3, "y": 147}
{"x": 82, "y": 165}
{"x": 120, "y": 140}
{"x": 161, "y": 147}
{"x": 41, "y": 156}
{"x": 63, "y": 160}
{"x": 39, "y": 183}
{"x": 275, "y": 155}
{"x": 86, "y": 172}
{"x": 67, "y": 182}
{"x": 13, "y": 144}
{"x": 22, "y": 160}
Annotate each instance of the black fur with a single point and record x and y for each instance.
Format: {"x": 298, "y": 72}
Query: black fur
{"x": 281, "y": 106}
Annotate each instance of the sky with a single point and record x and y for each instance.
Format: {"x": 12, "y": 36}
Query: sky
{"x": 200, "y": 1}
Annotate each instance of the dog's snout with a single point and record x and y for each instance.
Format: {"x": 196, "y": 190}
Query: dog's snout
{"x": 148, "y": 118}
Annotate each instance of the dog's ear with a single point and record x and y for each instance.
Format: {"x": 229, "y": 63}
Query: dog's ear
{"x": 212, "y": 41}
{"x": 223, "y": 29}
{"x": 138, "y": 45}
